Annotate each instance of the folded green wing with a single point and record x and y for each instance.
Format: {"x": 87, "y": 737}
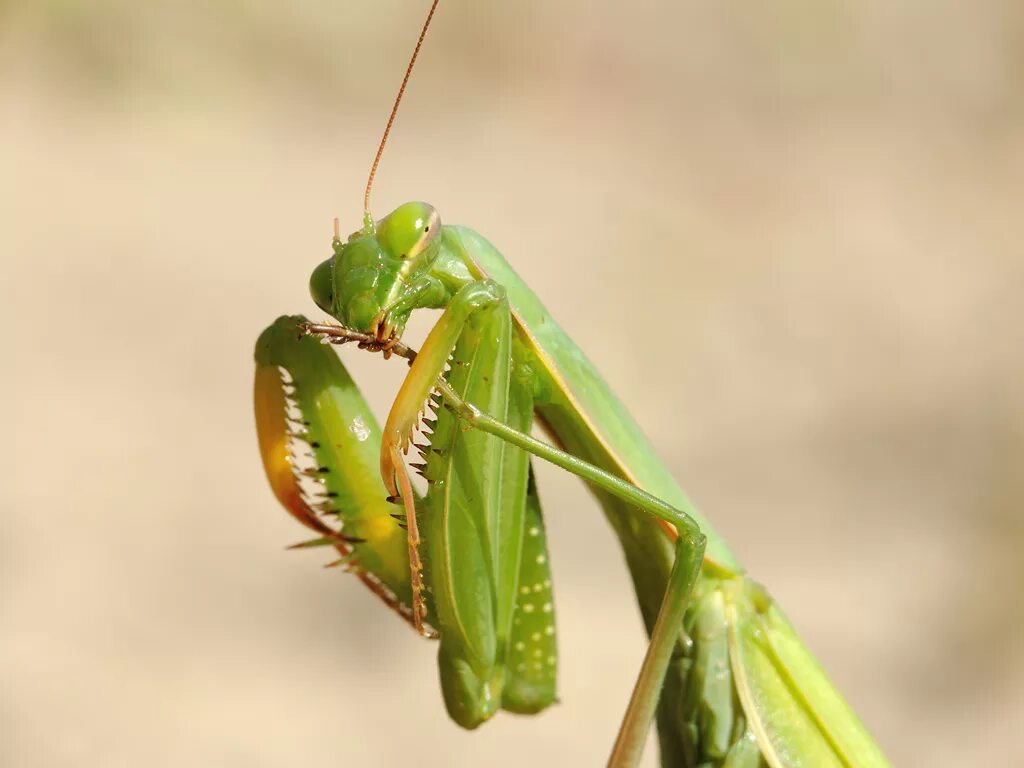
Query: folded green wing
{"x": 799, "y": 719}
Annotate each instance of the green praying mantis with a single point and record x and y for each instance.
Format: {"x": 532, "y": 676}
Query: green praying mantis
{"x": 725, "y": 677}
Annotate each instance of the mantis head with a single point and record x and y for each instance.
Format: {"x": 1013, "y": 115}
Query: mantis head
{"x": 371, "y": 282}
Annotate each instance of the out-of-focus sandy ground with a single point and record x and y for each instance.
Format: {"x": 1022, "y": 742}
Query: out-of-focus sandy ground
{"x": 789, "y": 233}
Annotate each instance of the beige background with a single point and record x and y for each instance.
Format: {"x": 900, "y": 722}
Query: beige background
{"x": 789, "y": 233}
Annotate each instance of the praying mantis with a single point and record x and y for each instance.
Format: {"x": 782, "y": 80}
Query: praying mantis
{"x": 725, "y": 677}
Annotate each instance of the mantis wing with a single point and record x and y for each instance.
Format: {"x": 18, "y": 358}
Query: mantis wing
{"x": 799, "y": 719}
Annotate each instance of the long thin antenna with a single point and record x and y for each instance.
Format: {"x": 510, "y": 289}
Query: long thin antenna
{"x": 394, "y": 110}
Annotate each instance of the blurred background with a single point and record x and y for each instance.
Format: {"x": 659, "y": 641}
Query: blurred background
{"x": 812, "y": 209}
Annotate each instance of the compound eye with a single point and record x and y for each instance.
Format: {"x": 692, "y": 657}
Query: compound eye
{"x": 409, "y": 230}
{"x": 321, "y": 285}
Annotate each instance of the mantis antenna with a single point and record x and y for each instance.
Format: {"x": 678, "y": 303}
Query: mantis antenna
{"x": 394, "y": 111}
